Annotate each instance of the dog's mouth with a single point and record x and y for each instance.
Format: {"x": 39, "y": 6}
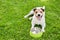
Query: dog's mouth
{"x": 39, "y": 17}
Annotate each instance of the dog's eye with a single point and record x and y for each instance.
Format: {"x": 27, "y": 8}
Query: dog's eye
{"x": 36, "y": 12}
{"x": 40, "y": 11}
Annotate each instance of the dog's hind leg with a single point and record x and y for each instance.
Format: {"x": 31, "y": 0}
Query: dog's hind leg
{"x": 33, "y": 24}
{"x": 43, "y": 26}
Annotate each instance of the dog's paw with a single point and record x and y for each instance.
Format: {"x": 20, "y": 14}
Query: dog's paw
{"x": 30, "y": 18}
{"x": 25, "y": 16}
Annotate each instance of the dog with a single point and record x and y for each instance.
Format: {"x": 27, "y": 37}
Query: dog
{"x": 38, "y": 17}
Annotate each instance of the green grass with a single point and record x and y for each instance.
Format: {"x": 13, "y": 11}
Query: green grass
{"x": 13, "y": 26}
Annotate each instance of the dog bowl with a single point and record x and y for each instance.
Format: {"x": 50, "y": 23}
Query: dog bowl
{"x": 36, "y": 32}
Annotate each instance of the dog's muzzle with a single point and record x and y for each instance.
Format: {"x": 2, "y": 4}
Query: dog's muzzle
{"x": 39, "y": 16}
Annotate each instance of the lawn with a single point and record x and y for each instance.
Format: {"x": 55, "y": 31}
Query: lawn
{"x": 13, "y": 25}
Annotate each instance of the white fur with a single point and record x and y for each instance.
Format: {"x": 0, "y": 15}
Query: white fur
{"x": 35, "y": 20}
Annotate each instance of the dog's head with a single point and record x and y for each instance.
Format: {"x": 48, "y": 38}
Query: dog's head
{"x": 39, "y": 11}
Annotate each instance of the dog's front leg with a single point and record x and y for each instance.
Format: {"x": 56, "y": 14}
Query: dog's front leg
{"x": 27, "y": 15}
{"x": 31, "y": 12}
{"x": 30, "y": 18}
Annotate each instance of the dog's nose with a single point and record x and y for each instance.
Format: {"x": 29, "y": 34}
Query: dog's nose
{"x": 38, "y": 14}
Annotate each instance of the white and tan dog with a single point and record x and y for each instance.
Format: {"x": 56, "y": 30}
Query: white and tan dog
{"x": 38, "y": 17}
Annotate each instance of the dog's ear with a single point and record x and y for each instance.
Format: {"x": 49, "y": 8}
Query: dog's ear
{"x": 34, "y": 9}
{"x": 43, "y": 8}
